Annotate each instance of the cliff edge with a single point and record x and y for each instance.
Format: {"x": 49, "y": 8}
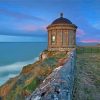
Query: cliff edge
{"x": 32, "y": 76}
{"x": 59, "y": 84}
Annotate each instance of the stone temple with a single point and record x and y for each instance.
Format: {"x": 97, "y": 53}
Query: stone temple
{"x": 61, "y": 34}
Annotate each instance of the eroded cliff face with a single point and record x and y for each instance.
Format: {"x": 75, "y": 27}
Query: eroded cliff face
{"x": 31, "y": 76}
{"x": 59, "y": 84}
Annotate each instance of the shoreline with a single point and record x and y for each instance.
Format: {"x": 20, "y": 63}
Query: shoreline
{"x": 17, "y": 68}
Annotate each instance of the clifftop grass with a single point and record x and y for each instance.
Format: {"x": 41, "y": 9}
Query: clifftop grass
{"x": 87, "y": 79}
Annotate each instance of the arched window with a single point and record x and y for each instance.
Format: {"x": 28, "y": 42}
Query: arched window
{"x": 53, "y": 38}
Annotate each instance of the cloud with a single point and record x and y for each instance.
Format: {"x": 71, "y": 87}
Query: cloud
{"x": 80, "y": 33}
{"x": 97, "y": 26}
{"x": 81, "y": 14}
{"x": 7, "y": 38}
{"x": 28, "y": 28}
{"x": 86, "y": 31}
{"x": 31, "y": 28}
{"x": 20, "y": 16}
{"x": 90, "y": 41}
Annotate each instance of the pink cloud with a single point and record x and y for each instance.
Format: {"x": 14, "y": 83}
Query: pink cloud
{"x": 80, "y": 33}
{"x": 28, "y": 28}
{"x": 31, "y": 28}
{"x": 44, "y": 27}
{"x": 90, "y": 41}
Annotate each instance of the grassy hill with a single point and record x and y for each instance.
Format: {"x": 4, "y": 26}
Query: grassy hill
{"x": 87, "y": 77}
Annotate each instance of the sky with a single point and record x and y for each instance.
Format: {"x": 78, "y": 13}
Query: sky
{"x": 26, "y": 20}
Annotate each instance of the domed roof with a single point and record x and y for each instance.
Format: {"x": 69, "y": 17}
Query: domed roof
{"x": 61, "y": 20}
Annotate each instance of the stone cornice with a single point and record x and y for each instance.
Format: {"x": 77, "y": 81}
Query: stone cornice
{"x": 62, "y": 26}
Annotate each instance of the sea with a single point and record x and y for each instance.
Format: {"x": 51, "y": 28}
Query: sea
{"x": 15, "y": 55}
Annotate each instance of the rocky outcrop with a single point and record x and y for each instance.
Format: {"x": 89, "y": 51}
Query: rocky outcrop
{"x": 59, "y": 84}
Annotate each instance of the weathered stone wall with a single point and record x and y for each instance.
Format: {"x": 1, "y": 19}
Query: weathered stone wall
{"x": 59, "y": 84}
